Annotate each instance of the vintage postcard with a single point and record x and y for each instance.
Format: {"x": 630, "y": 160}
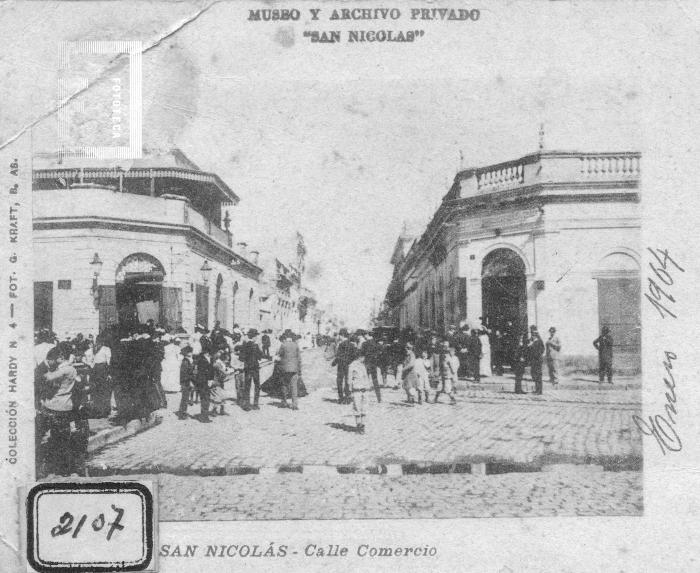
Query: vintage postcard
{"x": 349, "y": 286}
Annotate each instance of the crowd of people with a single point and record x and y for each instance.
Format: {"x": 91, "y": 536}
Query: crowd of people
{"x": 124, "y": 375}
{"x": 428, "y": 365}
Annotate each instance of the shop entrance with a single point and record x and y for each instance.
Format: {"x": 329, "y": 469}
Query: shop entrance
{"x": 504, "y": 291}
{"x": 139, "y": 291}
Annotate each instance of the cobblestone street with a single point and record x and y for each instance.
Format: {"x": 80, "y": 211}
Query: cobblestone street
{"x": 577, "y": 423}
{"x": 564, "y": 492}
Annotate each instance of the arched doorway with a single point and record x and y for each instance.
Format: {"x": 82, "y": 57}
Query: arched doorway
{"x": 619, "y": 306}
{"x": 504, "y": 290}
{"x": 139, "y": 291}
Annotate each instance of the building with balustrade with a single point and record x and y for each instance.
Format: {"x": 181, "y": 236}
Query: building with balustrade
{"x": 151, "y": 241}
{"x": 551, "y": 239}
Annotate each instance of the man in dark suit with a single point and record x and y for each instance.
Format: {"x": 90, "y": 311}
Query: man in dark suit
{"x": 535, "y": 348}
{"x": 204, "y": 377}
{"x": 289, "y": 358}
{"x": 344, "y": 355}
{"x": 250, "y": 354}
{"x": 187, "y": 380}
{"x": 604, "y": 345}
{"x": 370, "y": 350}
{"x": 474, "y": 351}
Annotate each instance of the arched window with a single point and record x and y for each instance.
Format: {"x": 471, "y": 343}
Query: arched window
{"x": 233, "y": 303}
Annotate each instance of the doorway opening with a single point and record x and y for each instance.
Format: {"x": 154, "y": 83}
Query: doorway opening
{"x": 504, "y": 291}
{"x": 139, "y": 291}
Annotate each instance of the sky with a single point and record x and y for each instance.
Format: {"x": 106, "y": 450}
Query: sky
{"x": 343, "y": 143}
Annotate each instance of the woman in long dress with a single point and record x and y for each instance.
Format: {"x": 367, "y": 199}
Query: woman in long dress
{"x": 484, "y": 337}
{"x": 100, "y": 359}
{"x": 170, "y": 374}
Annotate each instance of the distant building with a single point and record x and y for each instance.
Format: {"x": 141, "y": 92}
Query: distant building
{"x": 116, "y": 246}
{"x": 551, "y": 239}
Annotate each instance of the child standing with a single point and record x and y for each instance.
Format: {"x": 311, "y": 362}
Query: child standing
{"x": 359, "y": 386}
{"x": 422, "y": 368}
{"x": 221, "y": 372}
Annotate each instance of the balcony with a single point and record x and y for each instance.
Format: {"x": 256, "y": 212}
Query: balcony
{"x": 553, "y": 167}
{"x": 81, "y": 204}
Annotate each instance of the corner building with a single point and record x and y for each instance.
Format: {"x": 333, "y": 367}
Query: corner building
{"x": 119, "y": 246}
{"x": 551, "y": 239}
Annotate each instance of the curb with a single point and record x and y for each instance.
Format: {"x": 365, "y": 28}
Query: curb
{"x": 480, "y": 469}
{"x": 118, "y": 433}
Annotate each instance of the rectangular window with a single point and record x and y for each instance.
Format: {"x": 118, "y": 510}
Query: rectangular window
{"x": 64, "y": 284}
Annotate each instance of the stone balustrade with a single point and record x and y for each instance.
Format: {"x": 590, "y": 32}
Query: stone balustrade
{"x": 549, "y": 167}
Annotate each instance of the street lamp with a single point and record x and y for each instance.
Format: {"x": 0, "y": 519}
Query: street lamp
{"x": 206, "y": 271}
{"x": 96, "y": 265}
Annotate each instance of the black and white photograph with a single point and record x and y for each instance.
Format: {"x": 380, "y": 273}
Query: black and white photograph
{"x": 400, "y": 266}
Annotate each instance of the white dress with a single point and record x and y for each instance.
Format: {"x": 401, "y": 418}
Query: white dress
{"x": 485, "y": 364}
{"x": 170, "y": 374}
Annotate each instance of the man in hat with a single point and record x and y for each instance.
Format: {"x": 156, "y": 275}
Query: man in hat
{"x": 344, "y": 355}
{"x": 289, "y": 358}
{"x": 535, "y": 349}
{"x": 359, "y": 386}
{"x": 553, "y": 346}
{"x": 187, "y": 380}
{"x": 370, "y": 350}
{"x": 474, "y": 350}
{"x": 250, "y": 355}
{"x": 204, "y": 377}
{"x": 604, "y": 346}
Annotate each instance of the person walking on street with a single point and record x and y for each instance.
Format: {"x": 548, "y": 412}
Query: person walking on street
{"x": 289, "y": 358}
{"x": 221, "y": 374}
{"x": 250, "y": 354}
{"x": 370, "y": 350}
{"x": 422, "y": 369}
{"x": 204, "y": 377}
{"x": 519, "y": 362}
{"x": 187, "y": 380}
{"x": 536, "y": 352}
{"x": 604, "y": 345}
{"x": 359, "y": 386}
{"x": 449, "y": 368}
{"x": 553, "y": 347}
{"x": 344, "y": 355}
{"x": 408, "y": 374}
{"x": 56, "y": 414}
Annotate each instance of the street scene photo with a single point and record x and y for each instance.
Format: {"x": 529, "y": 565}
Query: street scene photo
{"x": 361, "y": 296}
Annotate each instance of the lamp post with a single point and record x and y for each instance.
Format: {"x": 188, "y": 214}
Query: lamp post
{"x": 206, "y": 271}
{"x": 96, "y": 265}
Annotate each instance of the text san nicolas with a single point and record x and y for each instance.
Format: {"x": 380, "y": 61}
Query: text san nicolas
{"x": 312, "y": 550}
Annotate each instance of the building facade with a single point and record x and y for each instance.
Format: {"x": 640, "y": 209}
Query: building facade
{"x": 551, "y": 239}
{"x": 115, "y": 246}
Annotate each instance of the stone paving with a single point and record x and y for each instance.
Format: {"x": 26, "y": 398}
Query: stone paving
{"x": 577, "y": 422}
{"x": 565, "y": 492}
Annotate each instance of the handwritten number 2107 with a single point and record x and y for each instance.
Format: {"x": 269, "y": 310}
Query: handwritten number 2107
{"x": 65, "y": 524}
